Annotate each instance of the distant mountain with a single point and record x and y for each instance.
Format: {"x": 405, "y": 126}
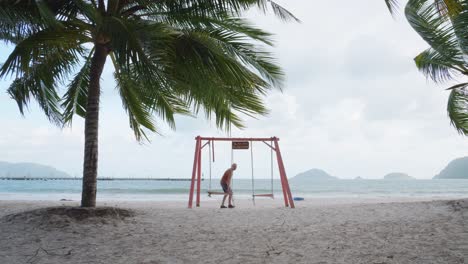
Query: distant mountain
{"x": 359, "y": 178}
{"x": 30, "y": 170}
{"x": 456, "y": 169}
{"x": 398, "y": 176}
{"x": 314, "y": 175}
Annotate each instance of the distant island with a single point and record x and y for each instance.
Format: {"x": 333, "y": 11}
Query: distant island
{"x": 29, "y": 170}
{"x": 314, "y": 175}
{"x": 456, "y": 169}
{"x": 398, "y": 176}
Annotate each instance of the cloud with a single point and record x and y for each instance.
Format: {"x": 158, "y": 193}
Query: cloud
{"x": 370, "y": 58}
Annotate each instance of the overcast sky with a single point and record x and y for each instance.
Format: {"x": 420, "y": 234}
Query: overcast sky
{"x": 353, "y": 105}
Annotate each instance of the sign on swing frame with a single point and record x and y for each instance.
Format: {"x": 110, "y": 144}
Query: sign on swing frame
{"x": 240, "y": 145}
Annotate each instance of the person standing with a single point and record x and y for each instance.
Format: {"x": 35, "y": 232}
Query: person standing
{"x": 226, "y": 185}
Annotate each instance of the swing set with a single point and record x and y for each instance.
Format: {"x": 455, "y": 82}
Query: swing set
{"x": 238, "y": 143}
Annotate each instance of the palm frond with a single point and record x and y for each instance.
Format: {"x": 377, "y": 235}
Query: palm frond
{"x": 75, "y": 99}
{"x": 43, "y": 44}
{"x": 135, "y": 104}
{"x": 438, "y": 32}
{"x": 206, "y": 8}
{"x": 170, "y": 56}
{"x": 392, "y": 6}
{"x": 48, "y": 16}
{"x": 219, "y": 85}
{"x": 40, "y": 63}
{"x": 127, "y": 45}
{"x": 229, "y": 45}
{"x": 18, "y": 20}
{"x": 23, "y": 89}
{"x": 282, "y": 12}
{"x": 460, "y": 24}
{"x": 187, "y": 20}
{"x": 437, "y": 67}
{"x": 215, "y": 69}
{"x": 448, "y": 8}
{"x": 457, "y": 108}
{"x": 142, "y": 97}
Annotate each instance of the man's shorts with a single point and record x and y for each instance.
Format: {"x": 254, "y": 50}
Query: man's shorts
{"x": 225, "y": 187}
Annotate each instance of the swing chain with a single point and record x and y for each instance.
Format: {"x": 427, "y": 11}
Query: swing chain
{"x": 209, "y": 157}
{"x": 252, "y": 166}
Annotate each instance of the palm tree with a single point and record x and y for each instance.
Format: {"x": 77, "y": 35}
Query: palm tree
{"x": 169, "y": 57}
{"x": 443, "y": 24}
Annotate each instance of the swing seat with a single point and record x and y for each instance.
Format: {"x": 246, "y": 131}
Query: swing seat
{"x": 264, "y": 195}
{"x": 216, "y": 193}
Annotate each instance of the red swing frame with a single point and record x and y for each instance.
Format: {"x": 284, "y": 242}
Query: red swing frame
{"x": 201, "y": 142}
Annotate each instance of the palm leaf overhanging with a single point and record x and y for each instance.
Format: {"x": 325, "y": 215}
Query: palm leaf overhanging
{"x": 443, "y": 24}
{"x": 392, "y": 6}
{"x": 167, "y": 45}
{"x": 169, "y": 57}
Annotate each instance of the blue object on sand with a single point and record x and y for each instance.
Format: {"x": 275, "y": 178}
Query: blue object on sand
{"x": 298, "y": 199}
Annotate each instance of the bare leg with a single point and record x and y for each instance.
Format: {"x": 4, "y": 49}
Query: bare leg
{"x": 230, "y": 197}
{"x": 224, "y": 199}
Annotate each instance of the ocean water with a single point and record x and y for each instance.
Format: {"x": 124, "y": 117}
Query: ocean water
{"x": 140, "y": 190}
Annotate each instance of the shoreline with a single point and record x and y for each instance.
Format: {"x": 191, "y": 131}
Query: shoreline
{"x": 177, "y": 199}
{"x": 14, "y": 206}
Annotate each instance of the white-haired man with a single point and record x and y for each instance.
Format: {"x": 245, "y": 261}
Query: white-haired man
{"x": 226, "y": 184}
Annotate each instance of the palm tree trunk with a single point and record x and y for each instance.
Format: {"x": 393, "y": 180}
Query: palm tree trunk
{"x": 90, "y": 164}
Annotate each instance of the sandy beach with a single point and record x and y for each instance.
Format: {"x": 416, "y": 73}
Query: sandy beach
{"x": 351, "y": 231}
